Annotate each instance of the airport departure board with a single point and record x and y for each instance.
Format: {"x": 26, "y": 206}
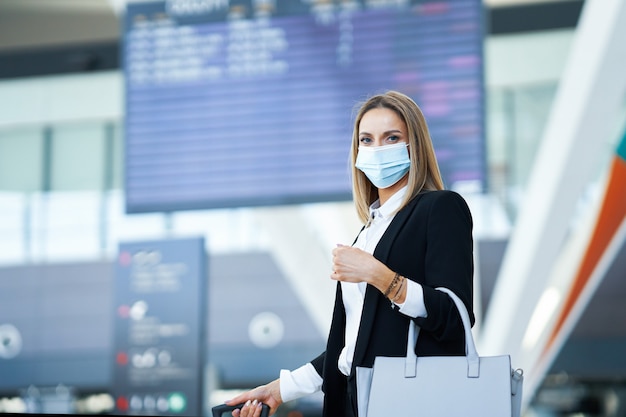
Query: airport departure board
{"x": 248, "y": 103}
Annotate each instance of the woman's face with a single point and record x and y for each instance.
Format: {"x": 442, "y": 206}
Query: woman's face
{"x": 380, "y": 127}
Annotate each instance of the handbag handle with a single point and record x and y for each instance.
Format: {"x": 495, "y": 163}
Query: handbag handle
{"x": 473, "y": 361}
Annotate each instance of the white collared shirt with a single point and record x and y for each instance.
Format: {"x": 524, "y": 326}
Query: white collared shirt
{"x": 305, "y": 380}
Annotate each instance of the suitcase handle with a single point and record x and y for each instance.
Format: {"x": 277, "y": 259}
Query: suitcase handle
{"x": 218, "y": 410}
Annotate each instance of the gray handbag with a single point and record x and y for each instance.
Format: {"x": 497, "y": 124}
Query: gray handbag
{"x": 440, "y": 386}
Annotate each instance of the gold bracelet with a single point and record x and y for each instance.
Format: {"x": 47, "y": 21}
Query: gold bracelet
{"x": 398, "y": 290}
{"x": 395, "y": 297}
{"x": 393, "y": 284}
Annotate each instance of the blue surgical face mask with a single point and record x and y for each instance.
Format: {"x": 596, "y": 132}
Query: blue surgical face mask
{"x": 384, "y": 165}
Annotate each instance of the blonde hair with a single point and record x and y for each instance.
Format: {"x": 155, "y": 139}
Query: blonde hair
{"x": 424, "y": 171}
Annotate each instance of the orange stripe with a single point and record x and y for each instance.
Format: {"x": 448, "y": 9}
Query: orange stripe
{"x": 612, "y": 213}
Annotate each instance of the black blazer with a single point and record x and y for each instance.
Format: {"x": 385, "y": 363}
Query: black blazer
{"x": 430, "y": 242}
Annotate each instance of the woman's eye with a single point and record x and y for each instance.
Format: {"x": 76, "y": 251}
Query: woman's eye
{"x": 365, "y": 140}
{"x": 393, "y": 138}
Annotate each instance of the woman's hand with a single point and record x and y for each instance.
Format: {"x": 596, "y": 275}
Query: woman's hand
{"x": 265, "y": 394}
{"x": 355, "y": 265}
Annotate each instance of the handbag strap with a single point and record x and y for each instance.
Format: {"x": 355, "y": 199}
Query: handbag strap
{"x": 473, "y": 362}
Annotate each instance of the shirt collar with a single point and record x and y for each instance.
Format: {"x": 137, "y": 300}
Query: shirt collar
{"x": 390, "y": 207}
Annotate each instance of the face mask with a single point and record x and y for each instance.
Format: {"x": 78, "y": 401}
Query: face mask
{"x": 384, "y": 165}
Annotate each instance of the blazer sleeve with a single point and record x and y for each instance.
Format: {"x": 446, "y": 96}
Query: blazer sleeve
{"x": 448, "y": 263}
{"x": 318, "y": 363}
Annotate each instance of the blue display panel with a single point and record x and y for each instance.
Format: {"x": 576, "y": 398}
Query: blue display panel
{"x": 159, "y": 338}
{"x": 251, "y": 103}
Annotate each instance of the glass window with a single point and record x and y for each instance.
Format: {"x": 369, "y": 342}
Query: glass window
{"x": 77, "y": 159}
{"x": 117, "y": 167}
{"x": 21, "y": 159}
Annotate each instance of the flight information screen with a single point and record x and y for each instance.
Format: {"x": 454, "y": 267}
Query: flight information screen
{"x": 249, "y": 103}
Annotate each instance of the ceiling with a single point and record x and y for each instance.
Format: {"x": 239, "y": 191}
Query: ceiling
{"x": 43, "y": 23}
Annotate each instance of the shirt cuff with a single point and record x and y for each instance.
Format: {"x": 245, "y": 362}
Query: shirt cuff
{"x": 413, "y": 305}
{"x": 303, "y": 381}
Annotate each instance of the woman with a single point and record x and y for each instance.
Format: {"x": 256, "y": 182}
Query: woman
{"x": 416, "y": 237}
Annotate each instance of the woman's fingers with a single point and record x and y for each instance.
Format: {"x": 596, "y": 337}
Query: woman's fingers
{"x": 247, "y": 398}
{"x": 349, "y": 264}
{"x": 253, "y": 400}
{"x": 250, "y": 409}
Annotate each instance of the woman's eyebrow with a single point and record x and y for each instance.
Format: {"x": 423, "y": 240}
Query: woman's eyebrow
{"x": 389, "y": 132}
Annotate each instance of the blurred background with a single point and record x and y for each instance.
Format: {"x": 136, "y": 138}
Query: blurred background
{"x": 174, "y": 175}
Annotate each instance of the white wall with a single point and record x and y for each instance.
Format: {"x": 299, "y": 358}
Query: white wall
{"x": 64, "y": 98}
